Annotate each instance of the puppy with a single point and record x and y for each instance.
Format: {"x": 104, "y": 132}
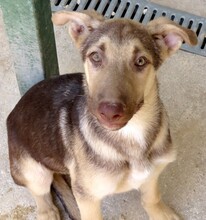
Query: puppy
{"x": 107, "y": 129}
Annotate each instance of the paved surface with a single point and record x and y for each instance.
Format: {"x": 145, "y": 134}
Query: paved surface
{"x": 183, "y": 89}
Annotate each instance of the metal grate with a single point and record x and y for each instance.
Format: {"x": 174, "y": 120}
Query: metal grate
{"x": 142, "y": 11}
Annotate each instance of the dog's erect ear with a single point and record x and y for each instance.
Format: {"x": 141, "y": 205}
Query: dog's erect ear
{"x": 169, "y": 35}
{"x": 80, "y": 24}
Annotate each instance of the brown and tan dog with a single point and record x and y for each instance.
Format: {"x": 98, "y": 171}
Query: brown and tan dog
{"x": 108, "y": 128}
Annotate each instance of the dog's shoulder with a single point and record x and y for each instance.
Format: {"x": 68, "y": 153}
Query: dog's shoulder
{"x": 49, "y": 94}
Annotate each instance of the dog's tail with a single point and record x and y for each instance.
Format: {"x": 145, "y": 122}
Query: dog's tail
{"x": 64, "y": 198}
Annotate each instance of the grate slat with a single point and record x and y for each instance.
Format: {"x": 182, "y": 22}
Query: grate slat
{"x": 142, "y": 11}
{"x": 159, "y": 13}
{"x": 111, "y": 8}
{"x": 70, "y": 6}
{"x": 185, "y": 23}
{"x": 147, "y": 16}
{"x": 129, "y": 10}
{"x": 65, "y": 2}
{"x": 93, "y": 4}
{"x": 195, "y": 26}
{"x": 82, "y": 5}
{"x": 102, "y": 6}
{"x": 139, "y": 12}
{"x": 120, "y": 9}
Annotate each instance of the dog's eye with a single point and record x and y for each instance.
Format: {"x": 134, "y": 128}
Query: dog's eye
{"x": 140, "y": 62}
{"x": 95, "y": 57}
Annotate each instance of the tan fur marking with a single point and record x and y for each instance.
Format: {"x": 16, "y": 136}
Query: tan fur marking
{"x": 151, "y": 199}
{"x": 38, "y": 178}
{"x": 170, "y": 155}
{"x": 90, "y": 209}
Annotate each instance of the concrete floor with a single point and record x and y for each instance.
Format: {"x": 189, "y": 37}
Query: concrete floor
{"x": 183, "y": 90}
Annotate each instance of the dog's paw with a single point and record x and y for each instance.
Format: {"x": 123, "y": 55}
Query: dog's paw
{"x": 160, "y": 211}
{"x": 51, "y": 214}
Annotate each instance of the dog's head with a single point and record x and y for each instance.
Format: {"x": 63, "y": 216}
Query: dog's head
{"x": 121, "y": 57}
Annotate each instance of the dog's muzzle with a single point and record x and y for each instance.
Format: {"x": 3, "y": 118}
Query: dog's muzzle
{"x": 112, "y": 115}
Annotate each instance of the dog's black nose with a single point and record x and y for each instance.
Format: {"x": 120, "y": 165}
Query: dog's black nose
{"x": 111, "y": 112}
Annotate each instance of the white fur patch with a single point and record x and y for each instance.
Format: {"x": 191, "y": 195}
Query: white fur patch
{"x": 168, "y": 158}
{"x": 139, "y": 175}
{"x": 104, "y": 184}
{"x": 135, "y": 132}
{"x": 37, "y": 176}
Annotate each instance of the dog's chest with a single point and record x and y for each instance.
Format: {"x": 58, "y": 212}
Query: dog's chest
{"x": 109, "y": 183}
{"x": 137, "y": 175}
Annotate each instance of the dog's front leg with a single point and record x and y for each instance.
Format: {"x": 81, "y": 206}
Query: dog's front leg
{"x": 45, "y": 207}
{"x": 39, "y": 186}
{"x": 37, "y": 179}
{"x": 90, "y": 209}
{"x": 151, "y": 199}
